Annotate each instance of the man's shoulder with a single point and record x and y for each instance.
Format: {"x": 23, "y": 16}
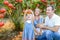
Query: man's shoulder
{"x": 57, "y": 17}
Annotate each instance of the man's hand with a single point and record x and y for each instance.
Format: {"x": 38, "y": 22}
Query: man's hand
{"x": 42, "y": 26}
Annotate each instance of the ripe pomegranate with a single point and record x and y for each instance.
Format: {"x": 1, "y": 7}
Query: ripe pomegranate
{"x": 3, "y": 10}
{"x": 10, "y": 5}
{"x": 20, "y": 1}
{"x": 1, "y": 24}
{"x": 1, "y": 15}
{"x": 6, "y": 2}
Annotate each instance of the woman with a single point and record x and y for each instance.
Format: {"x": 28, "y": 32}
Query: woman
{"x": 38, "y": 19}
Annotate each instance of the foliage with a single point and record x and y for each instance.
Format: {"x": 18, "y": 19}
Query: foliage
{"x": 17, "y": 15}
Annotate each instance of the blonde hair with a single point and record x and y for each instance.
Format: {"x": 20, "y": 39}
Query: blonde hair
{"x": 28, "y": 11}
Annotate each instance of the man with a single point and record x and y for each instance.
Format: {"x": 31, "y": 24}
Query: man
{"x": 52, "y": 25}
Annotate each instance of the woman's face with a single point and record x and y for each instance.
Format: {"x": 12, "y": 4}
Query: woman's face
{"x": 37, "y": 12}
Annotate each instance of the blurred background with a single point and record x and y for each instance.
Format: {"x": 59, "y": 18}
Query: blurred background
{"x": 12, "y": 12}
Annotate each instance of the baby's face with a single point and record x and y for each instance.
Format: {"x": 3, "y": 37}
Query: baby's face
{"x": 29, "y": 16}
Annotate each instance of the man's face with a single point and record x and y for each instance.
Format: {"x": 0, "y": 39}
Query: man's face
{"x": 49, "y": 11}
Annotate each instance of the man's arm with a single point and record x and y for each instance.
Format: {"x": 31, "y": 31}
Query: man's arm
{"x": 55, "y": 28}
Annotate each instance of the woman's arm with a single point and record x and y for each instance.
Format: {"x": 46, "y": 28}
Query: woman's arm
{"x": 40, "y": 26}
{"x": 36, "y": 30}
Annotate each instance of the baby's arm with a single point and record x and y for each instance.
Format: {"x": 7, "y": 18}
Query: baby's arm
{"x": 25, "y": 15}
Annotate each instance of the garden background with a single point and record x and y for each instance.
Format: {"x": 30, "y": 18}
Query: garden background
{"x": 12, "y": 12}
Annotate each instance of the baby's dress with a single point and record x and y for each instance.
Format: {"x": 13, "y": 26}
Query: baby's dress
{"x": 28, "y": 32}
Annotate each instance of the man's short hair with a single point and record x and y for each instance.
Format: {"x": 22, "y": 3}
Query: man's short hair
{"x": 51, "y": 6}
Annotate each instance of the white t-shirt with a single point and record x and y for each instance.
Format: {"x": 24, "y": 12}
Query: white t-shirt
{"x": 55, "y": 20}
